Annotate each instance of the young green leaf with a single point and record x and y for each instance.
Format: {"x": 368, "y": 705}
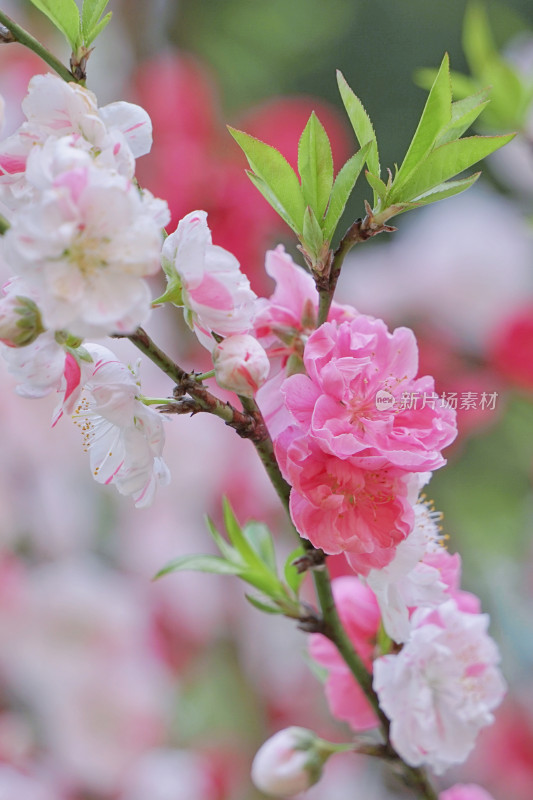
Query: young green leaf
{"x": 478, "y": 43}
{"x": 361, "y": 123}
{"x": 445, "y": 190}
{"x": 237, "y": 538}
{"x": 379, "y": 188}
{"x": 97, "y": 30}
{"x": 441, "y": 192}
{"x": 312, "y": 236}
{"x": 200, "y": 563}
{"x": 292, "y": 576}
{"x": 464, "y": 113}
{"x": 266, "y": 607}
{"x": 342, "y": 188}
{"x": 445, "y": 162}
{"x": 65, "y": 16}
{"x": 270, "y": 197}
{"x": 229, "y": 553}
{"x": 435, "y": 116}
{"x": 315, "y": 165}
{"x": 508, "y": 90}
{"x": 462, "y": 85}
{"x": 278, "y": 175}
{"x": 91, "y": 12}
{"x": 260, "y": 539}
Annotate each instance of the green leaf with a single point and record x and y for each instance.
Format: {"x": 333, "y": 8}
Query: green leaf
{"x": 315, "y": 165}
{"x": 342, "y": 188}
{"x": 278, "y": 175}
{"x": 361, "y": 123}
{"x": 312, "y": 236}
{"x": 260, "y": 538}
{"x": 266, "y": 607}
{"x": 64, "y": 14}
{"x": 462, "y": 85}
{"x": 508, "y": 90}
{"x": 445, "y": 162}
{"x": 200, "y": 563}
{"x": 435, "y": 116}
{"x": 97, "y": 30}
{"x": 380, "y": 188}
{"x": 464, "y": 113}
{"x": 270, "y": 197}
{"x": 237, "y": 538}
{"x": 447, "y": 189}
{"x": 292, "y": 576}
{"x": 478, "y": 43}
{"x": 91, "y": 12}
{"x": 226, "y": 549}
{"x": 441, "y": 192}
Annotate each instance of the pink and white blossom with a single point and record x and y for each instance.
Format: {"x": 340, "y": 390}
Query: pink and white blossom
{"x": 408, "y": 581}
{"x": 359, "y": 613}
{"x": 124, "y": 438}
{"x": 440, "y": 690}
{"x": 54, "y": 108}
{"x": 241, "y": 364}
{"x": 350, "y": 367}
{"x": 86, "y": 247}
{"x": 41, "y": 367}
{"x": 207, "y": 281}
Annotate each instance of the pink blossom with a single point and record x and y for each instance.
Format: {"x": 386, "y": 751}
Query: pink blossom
{"x": 360, "y": 616}
{"x": 207, "y": 281}
{"x": 241, "y": 364}
{"x": 283, "y": 324}
{"x": 463, "y": 791}
{"x": 289, "y": 316}
{"x": 351, "y": 366}
{"x": 440, "y": 690}
{"x": 341, "y": 508}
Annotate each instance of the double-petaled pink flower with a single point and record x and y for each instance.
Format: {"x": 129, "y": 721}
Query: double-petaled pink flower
{"x": 360, "y": 398}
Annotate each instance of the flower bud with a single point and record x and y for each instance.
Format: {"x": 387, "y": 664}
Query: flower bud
{"x": 20, "y": 320}
{"x": 289, "y": 762}
{"x": 241, "y": 364}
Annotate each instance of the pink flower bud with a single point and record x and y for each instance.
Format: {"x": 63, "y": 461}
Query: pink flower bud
{"x": 288, "y": 763}
{"x": 241, "y": 364}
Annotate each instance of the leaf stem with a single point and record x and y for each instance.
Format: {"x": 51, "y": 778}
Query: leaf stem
{"x": 23, "y": 37}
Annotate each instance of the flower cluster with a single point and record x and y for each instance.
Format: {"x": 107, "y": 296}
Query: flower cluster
{"x": 357, "y": 459}
{"x": 82, "y": 239}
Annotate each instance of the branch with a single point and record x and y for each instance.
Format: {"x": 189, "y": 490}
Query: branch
{"x": 11, "y": 32}
{"x": 360, "y": 231}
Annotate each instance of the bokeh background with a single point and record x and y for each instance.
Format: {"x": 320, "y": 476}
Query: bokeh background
{"x": 113, "y": 687}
